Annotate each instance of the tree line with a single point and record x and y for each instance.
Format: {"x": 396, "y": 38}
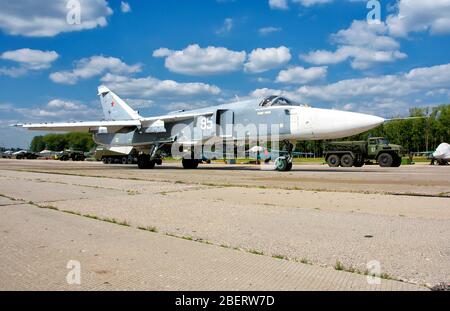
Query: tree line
{"x": 59, "y": 142}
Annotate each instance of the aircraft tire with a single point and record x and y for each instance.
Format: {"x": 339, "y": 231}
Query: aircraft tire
{"x": 385, "y": 160}
{"x": 144, "y": 162}
{"x": 334, "y": 160}
{"x": 289, "y": 167}
{"x": 190, "y": 164}
{"x": 282, "y": 165}
{"x": 347, "y": 161}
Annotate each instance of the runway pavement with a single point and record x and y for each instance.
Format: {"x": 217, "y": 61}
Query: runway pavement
{"x": 245, "y": 228}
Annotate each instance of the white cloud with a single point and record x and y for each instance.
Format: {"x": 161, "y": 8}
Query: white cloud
{"x": 197, "y": 61}
{"x": 137, "y": 103}
{"x": 59, "y": 109}
{"x": 162, "y": 52}
{"x": 420, "y": 16}
{"x": 94, "y": 66}
{"x": 28, "y": 60}
{"x": 300, "y": 75}
{"x": 268, "y": 30}
{"x": 364, "y": 44}
{"x": 284, "y": 4}
{"x": 48, "y": 18}
{"x": 265, "y": 92}
{"x": 309, "y": 3}
{"x": 279, "y": 4}
{"x": 125, "y": 7}
{"x": 385, "y": 95}
{"x": 261, "y": 60}
{"x": 63, "y": 104}
{"x": 419, "y": 80}
{"x": 226, "y": 27}
{"x": 152, "y": 87}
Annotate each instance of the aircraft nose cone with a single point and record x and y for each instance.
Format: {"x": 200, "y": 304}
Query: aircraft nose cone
{"x": 339, "y": 124}
{"x": 364, "y": 121}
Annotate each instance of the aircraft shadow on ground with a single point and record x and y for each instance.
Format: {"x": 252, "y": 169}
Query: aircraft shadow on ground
{"x": 205, "y": 167}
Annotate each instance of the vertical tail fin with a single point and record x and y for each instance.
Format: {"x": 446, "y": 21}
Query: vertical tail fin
{"x": 114, "y": 107}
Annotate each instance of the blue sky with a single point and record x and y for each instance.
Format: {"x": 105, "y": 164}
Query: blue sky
{"x": 179, "y": 54}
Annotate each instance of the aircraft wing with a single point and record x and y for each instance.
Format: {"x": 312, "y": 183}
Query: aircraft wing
{"x": 112, "y": 126}
{"x": 93, "y": 126}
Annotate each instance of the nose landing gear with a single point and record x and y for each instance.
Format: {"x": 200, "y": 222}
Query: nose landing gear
{"x": 284, "y": 163}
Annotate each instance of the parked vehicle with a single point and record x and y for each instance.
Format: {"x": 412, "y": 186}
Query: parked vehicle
{"x": 23, "y": 154}
{"x": 116, "y": 155}
{"x": 73, "y": 155}
{"x": 357, "y": 153}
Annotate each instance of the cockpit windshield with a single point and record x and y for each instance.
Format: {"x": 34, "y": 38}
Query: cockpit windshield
{"x": 276, "y": 101}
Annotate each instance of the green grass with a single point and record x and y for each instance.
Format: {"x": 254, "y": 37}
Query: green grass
{"x": 72, "y": 212}
{"x": 339, "y": 266}
{"x": 117, "y": 222}
{"x": 149, "y": 228}
{"x": 282, "y": 257}
{"x": 255, "y": 252}
{"x": 305, "y": 261}
{"x": 91, "y": 216}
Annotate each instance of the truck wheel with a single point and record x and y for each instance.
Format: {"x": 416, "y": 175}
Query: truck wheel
{"x": 397, "y": 162}
{"x": 110, "y": 160}
{"x": 359, "y": 163}
{"x": 347, "y": 160}
{"x": 124, "y": 160}
{"x": 130, "y": 160}
{"x": 385, "y": 160}
{"x": 105, "y": 160}
{"x": 334, "y": 160}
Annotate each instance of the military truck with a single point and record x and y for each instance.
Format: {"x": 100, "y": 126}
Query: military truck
{"x": 116, "y": 155}
{"x": 73, "y": 155}
{"x": 357, "y": 153}
{"x": 23, "y": 154}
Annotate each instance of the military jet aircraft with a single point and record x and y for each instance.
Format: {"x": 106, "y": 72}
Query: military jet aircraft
{"x": 274, "y": 118}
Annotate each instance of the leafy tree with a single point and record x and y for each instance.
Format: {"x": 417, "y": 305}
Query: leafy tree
{"x": 37, "y": 144}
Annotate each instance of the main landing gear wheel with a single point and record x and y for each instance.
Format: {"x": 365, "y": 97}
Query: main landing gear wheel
{"x": 190, "y": 164}
{"x": 144, "y": 162}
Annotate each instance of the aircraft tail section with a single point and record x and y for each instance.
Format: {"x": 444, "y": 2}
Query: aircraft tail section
{"x": 114, "y": 108}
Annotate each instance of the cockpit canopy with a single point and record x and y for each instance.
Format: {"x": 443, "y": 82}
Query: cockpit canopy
{"x": 276, "y": 101}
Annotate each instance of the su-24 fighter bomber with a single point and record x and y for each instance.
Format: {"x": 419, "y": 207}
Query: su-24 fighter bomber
{"x": 223, "y": 128}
